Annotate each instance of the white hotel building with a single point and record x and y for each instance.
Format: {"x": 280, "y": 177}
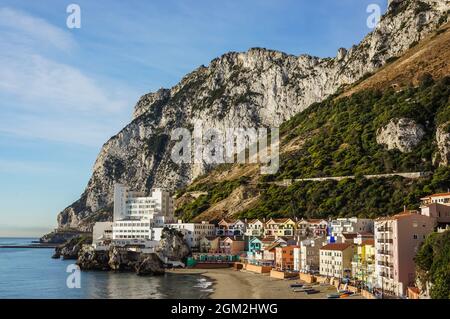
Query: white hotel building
{"x": 138, "y": 218}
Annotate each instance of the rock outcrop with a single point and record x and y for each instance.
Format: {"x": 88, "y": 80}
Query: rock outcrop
{"x": 72, "y": 248}
{"x": 401, "y": 134}
{"x": 257, "y": 88}
{"x": 443, "y": 144}
{"x": 173, "y": 245}
{"x": 117, "y": 259}
{"x": 149, "y": 264}
{"x": 90, "y": 259}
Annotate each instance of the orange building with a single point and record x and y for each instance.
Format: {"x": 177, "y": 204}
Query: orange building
{"x": 284, "y": 257}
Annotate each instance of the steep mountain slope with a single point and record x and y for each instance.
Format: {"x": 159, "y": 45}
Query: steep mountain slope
{"x": 341, "y": 136}
{"x": 252, "y": 89}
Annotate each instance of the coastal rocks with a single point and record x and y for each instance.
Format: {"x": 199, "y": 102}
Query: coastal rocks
{"x": 443, "y": 144}
{"x": 71, "y": 248}
{"x": 172, "y": 245}
{"x": 149, "y": 264}
{"x": 401, "y": 134}
{"x": 122, "y": 259}
{"x": 91, "y": 259}
{"x": 257, "y": 88}
{"x": 118, "y": 259}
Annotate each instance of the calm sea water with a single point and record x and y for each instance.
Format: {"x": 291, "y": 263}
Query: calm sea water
{"x": 31, "y": 273}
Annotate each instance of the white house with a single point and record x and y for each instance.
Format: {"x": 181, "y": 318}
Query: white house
{"x": 194, "y": 232}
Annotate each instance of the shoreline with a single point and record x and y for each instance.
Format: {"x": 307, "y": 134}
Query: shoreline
{"x": 232, "y": 284}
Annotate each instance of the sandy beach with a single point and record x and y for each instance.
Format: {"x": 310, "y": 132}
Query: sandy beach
{"x": 232, "y": 284}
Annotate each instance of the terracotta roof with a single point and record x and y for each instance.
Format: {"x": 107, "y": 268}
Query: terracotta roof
{"x": 278, "y": 220}
{"x": 436, "y": 195}
{"x": 368, "y": 242}
{"x": 398, "y": 216}
{"x": 315, "y": 221}
{"x": 349, "y": 235}
{"x": 340, "y": 247}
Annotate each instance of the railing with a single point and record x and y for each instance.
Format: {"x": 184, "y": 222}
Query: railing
{"x": 384, "y": 252}
{"x": 385, "y": 240}
{"x": 385, "y": 263}
{"x": 383, "y": 229}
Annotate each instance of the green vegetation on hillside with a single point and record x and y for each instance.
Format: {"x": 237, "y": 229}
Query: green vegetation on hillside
{"x": 340, "y": 139}
{"x": 433, "y": 264}
{"x": 340, "y": 136}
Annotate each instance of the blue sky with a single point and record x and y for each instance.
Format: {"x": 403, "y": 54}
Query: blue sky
{"x": 64, "y": 92}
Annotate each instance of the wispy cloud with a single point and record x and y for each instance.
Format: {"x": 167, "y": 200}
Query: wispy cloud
{"x": 25, "y": 29}
{"x": 42, "y": 97}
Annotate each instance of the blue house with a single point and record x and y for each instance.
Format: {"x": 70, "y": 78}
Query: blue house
{"x": 254, "y": 244}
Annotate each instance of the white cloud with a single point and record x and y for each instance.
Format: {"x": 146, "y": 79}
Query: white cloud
{"x": 33, "y": 30}
{"x": 42, "y": 96}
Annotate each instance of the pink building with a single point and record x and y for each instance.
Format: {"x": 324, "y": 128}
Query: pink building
{"x": 397, "y": 239}
{"x": 438, "y": 207}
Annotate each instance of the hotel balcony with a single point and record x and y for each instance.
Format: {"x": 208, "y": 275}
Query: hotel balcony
{"x": 385, "y": 240}
{"x": 385, "y": 264}
{"x": 384, "y": 252}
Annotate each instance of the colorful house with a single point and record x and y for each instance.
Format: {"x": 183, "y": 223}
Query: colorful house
{"x": 363, "y": 263}
{"x": 312, "y": 228}
{"x": 284, "y": 257}
{"x": 254, "y": 245}
{"x": 284, "y": 227}
{"x": 230, "y": 227}
{"x": 231, "y": 245}
{"x": 255, "y": 227}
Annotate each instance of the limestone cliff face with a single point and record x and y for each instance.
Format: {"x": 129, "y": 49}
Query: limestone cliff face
{"x": 251, "y": 89}
{"x": 443, "y": 143}
{"x": 402, "y": 134}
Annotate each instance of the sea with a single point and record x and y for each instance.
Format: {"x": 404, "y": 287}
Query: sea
{"x": 31, "y": 273}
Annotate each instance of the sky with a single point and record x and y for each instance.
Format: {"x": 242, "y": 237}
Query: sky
{"x": 65, "y": 91}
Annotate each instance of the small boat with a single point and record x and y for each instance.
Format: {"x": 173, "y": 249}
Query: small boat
{"x": 333, "y": 296}
{"x": 296, "y": 285}
{"x": 312, "y": 291}
{"x": 344, "y": 296}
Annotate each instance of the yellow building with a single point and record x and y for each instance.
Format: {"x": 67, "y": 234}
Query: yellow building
{"x": 280, "y": 227}
{"x": 363, "y": 263}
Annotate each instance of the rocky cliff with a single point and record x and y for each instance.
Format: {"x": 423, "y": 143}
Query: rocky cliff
{"x": 251, "y": 89}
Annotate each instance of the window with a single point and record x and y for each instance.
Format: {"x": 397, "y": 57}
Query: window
{"x": 414, "y": 236}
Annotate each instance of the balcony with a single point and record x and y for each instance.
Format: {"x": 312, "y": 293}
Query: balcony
{"x": 384, "y": 252}
{"x": 385, "y": 264}
{"x": 385, "y": 240}
{"x": 384, "y": 229}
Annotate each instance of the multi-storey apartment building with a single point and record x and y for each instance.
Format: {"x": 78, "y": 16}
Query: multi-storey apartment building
{"x": 138, "y": 219}
{"x": 363, "y": 263}
{"x": 397, "y": 239}
{"x": 310, "y": 254}
{"x": 284, "y": 257}
{"x": 194, "y": 232}
{"x": 336, "y": 260}
{"x": 350, "y": 225}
